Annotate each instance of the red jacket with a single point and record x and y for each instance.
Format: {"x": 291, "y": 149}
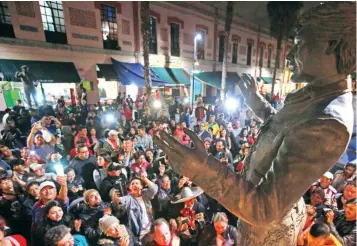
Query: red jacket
{"x": 184, "y": 139}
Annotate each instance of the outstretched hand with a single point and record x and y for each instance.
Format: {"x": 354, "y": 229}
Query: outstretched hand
{"x": 249, "y": 85}
{"x": 183, "y": 159}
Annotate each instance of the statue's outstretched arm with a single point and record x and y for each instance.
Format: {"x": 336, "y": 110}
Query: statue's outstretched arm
{"x": 304, "y": 155}
{"x": 255, "y": 101}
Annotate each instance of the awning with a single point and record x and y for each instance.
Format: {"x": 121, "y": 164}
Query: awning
{"x": 133, "y": 73}
{"x": 174, "y": 76}
{"x": 44, "y": 71}
{"x": 106, "y": 71}
{"x": 267, "y": 80}
{"x": 215, "y": 79}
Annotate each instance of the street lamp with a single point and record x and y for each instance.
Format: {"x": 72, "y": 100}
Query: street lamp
{"x": 198, "y": 36}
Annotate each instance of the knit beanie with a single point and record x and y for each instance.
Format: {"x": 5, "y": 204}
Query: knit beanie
{"x": 88, "y": 193}
{"x": 106, "y": 222}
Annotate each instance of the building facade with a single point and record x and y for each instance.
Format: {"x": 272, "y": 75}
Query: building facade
{"x": 90, "y": 33}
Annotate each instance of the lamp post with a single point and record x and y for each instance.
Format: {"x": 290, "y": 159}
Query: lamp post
{"x": 197, "y": 37}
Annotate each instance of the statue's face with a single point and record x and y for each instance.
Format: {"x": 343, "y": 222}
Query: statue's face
{"x": 309, "y": 59}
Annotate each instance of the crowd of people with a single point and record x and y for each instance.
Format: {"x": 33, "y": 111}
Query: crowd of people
{"x": 92, "y": 175}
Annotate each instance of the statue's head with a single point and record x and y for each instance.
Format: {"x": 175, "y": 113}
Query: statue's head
{"x": 325, "y": 43}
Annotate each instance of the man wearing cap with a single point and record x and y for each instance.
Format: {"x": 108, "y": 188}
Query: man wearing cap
{"x": 325, "y": 184}
{"x": 115, "y": 179}
{"x": 48, "y": 193}
{"x": 138, "y": 204}
{"x": 112, "y": 143}
{"x": 36, "y": 141}
{"x": 115, "y": 233}
{"x": 38, "y": 170}
{"x": 143, "y": 138}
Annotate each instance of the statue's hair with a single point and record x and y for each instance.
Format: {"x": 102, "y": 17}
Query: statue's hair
{"x": 335, "y": 22}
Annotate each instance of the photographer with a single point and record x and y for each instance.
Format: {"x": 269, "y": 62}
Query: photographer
{"x": 221, "y": 150}
{"x": 41, "y": 140}
{"x": 343, "y": 223}
{"x": 51, "y": 123}
{"x": 115, "y": 179}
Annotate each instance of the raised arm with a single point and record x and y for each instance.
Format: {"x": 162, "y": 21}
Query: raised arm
{"x": 313, "y": 146}
{"x": 255, "y": 101}
{"x": 31, "y": 136}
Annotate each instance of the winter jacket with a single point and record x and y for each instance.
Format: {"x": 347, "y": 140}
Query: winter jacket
{"x": 90, "y": 218}
{"x": 133, "y": 208}
{"x": 48, "y": 224}
{"x": 77, "y": 164}
{"x": 109, "y": 183}
{"x": 108, "y": 146}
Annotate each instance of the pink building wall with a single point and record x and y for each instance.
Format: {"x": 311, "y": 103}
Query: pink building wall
{"x": 85, "y": 42}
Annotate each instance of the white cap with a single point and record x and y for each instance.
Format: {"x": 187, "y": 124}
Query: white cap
{"x": 328, "y": 175}
{"x": 47, "y": 183}
{"x": 113, "y": 132}
{"x": 35, "y": 166}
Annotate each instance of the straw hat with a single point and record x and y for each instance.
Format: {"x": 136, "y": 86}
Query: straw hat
{"x": 186, "y": 194}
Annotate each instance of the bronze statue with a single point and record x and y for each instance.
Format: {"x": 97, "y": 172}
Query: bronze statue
{"x": 29, "y": 83}
{"x": 295, "y": 145}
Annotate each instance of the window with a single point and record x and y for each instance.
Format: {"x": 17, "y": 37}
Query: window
{"x": 6, "y": 29}
{"x": 261, "y": 57}
{"x": 269, "y": 57}
{"x": 5, "y": 17}
{"x": 221, "y": 48}
{"x": 109, "y": 27}
{"x": 200, "y": 45}
{"x": 53, "y": 21}
{"x": 109, "y": 22}
{"x": 153, "y": 40}
{"x": 249, "y": 54}
{"x": 52, "y": 16}
{"x": 175, "y": 39}
{"x": 235, "y": 52}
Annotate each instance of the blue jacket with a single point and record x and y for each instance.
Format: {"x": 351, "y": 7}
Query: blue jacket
{"x": 132, "y": 206}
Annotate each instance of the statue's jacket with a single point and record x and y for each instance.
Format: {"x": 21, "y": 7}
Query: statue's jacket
{"x": 295, "y": 146}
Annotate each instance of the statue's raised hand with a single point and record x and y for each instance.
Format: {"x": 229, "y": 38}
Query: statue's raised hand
{"x": 248, "y": 85}
{"x": 183, "y": 159}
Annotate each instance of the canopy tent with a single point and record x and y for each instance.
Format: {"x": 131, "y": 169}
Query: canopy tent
{"x": 133, "y": 74}
{"x": 173, "y": 76}
{"x": 44, "y": 71}
{"x": 267, "y": 80}
{"x": 215, "y": 79}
